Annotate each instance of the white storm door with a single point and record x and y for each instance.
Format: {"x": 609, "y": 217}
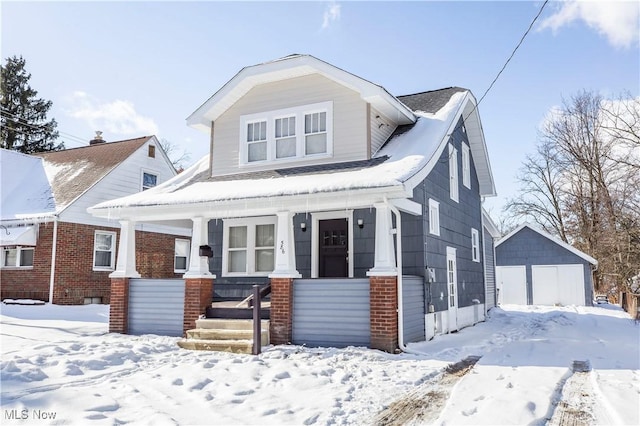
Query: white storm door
{"x": 452, "y": 287}
{"x": 512, "y": 284}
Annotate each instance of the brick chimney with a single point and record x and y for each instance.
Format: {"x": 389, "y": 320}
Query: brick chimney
{"x": 97, "y": 139}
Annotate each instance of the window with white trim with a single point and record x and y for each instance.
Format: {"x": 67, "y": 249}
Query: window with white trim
{"x": 181, "y": 255}
{"x": 287, "y": 134}
{"x": 104, "y": 251}
{"x": 475, "y": 245}
{"x": 149, "y": 180}
{"x": 453, "y": 173}
{"x": 466, "y": 166}
{"x": 434, "y": 217}
{"x": 17, "y": 257}
{"x": 249, "y": 246}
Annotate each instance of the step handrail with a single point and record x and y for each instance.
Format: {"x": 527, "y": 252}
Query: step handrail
{"x": 257, "y": 319}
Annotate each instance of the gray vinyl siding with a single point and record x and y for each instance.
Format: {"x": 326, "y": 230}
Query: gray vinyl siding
{"x": 490, "y": 271}
{"x": 331, "y": 312}
{"x": 349, "y": 121}
{"x": 363, "y": 241}
{"x": 413, "y": 309}
{"x": 527, "y": 247}
{"x": 381, "y": 128}
{"x": 156, "y": 306}
{"x": 456, "y": 221}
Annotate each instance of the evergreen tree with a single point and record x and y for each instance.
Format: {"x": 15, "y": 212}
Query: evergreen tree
{"x": 23, "y": 125}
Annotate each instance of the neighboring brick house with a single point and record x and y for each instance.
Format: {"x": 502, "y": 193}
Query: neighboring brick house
{"x": 363, "y": 210}
{"x": 51, "y": 246}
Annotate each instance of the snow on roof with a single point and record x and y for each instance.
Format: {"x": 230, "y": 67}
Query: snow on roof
{"x": 407, "y": 153}
{"x": 25, "y": 191}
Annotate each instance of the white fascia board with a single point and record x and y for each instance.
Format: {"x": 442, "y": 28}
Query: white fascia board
{"x": 256, "y": 206}
{"x": 252, "y": 76}
{"x": 550, "y": 237}
{"x": 407, "y": 206}
{"x": 478, "y": 147}
{"x": 490, "y": 225}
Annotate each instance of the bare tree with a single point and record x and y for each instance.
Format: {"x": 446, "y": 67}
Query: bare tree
{"x": 177, "y": 156}
{"x": 582, "y": 183}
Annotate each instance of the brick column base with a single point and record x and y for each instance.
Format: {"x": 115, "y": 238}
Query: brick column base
{"x": 281, "y": 322}
{"x": 197, "y": 296}
{"x": 383, "y": 293}
{"x": 119, "y": 306}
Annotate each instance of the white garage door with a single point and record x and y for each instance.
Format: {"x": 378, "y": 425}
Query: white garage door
{"x": 558, "y": 284}
{"x": 512, "y": 284}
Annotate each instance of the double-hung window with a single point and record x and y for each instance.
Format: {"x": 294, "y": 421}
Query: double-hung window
{"x": 475, "y": 245}
{"x": 287, "y": 134}
{"x": 453, "y": 173}
{"x": 249, "y": 246}
{"x": 104, "y": 251}
{"x": 149, "y": 180}
{"x": 17, "y": 257}
{"x": 466, "y": 166}
{"x": 181, "y": 255}
{"x": 434, "y": 217}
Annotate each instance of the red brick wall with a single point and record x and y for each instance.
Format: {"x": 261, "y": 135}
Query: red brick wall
{"x": 197, "y": 296}
{"x": 384, "y": 313}
{"x": 119, "y": 308}
{"x": 30, "y": 283}
{"x": 281, "y": 321}
{"x": 75, "y": 278}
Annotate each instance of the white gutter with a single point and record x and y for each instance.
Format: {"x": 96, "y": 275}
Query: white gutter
{"x": 53, "y": 259}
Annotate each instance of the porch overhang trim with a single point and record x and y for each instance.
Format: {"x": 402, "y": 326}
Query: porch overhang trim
{"x": 221, "y": 209}
{"x": 407, "y": 206}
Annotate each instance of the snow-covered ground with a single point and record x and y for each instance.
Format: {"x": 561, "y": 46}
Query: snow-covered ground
{"x": 60, "y": 361}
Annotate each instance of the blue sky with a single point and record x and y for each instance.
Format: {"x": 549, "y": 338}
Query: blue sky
{"x": 137, "y": 68}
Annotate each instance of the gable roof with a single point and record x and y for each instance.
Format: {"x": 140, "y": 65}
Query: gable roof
{"x": 74, "y": 171}
{"x": 25, "y": 191}
{"x": 289, "y": 67}
{"x": 550, "y": 237}
{"x": 431, "y": 101}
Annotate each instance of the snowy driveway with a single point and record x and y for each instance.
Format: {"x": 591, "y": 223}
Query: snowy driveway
{"x": 60, "y": 362}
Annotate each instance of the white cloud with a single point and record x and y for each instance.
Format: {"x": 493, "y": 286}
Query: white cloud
{"x": 331, "y": 14}
{"x": 118, "y": 117}
{"x": 617, "y": 20}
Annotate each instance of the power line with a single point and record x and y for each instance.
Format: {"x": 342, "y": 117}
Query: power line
{"x": 21, "y": 121}
{"x": 509, "y": 59}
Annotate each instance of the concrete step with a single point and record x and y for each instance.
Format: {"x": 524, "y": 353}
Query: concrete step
{"x": 226, "y": 334}
{"x": 234, "y": 346}
{"x": 228, "y": 324}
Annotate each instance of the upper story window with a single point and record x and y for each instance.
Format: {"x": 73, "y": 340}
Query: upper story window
{"x": 17, "y": 257}
{"x": 475, "y": 245}
{"x": 453, "y": 173}
{"x": 287, "y": 134}
{"x": 434, "y": 217}
{"x": 149, "y": 180}
{"x": 104, "y": 251}
{"x": 466, "y": 166}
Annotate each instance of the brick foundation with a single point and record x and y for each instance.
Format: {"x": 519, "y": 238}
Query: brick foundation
{"x": 119, "y": 308}
{"x": 197, "y": 296}
{"x": 281, "y": 323}
{"x": 383, "y": 293}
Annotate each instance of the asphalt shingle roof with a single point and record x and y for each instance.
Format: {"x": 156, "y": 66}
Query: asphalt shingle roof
{"x": 81, "y": 168}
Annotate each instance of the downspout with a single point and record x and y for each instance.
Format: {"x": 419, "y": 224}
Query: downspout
{"x": 53, "y": 258}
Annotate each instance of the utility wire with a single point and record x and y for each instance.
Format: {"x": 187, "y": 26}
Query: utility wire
{"x": 21, "y": 121}
{"x": 509, "y": 59}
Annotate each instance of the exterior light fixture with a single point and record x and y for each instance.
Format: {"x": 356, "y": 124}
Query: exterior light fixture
{"x": 360, "y": 223}
{"x": 303, "y": 226}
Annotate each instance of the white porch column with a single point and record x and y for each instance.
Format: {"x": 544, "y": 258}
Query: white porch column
{"x": 385, "y": 259}
{"x": 126, "y": 262}
{"x": 198, "y": 265}
{"x": 285, "y": 258}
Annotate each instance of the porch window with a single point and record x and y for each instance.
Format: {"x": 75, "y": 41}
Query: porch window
{"x": 181, "y": 255}
{"x": 104, "y": 251}
{"x": 466, "y": 166}
{"x": 434, "y": 217}
{"x": 475, "y": 245}
{"x": 287, "y": 134}
{"x": 17, "y": 257}
{"x": 249, "y": 246}
{"x": 453, "y": 173}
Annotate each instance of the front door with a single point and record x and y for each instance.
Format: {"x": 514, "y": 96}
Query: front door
{"x": 333, "y": 261}
{"x": 452, "y": 284}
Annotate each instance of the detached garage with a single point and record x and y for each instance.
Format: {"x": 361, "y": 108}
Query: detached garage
{"x": 535, "y": 268}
